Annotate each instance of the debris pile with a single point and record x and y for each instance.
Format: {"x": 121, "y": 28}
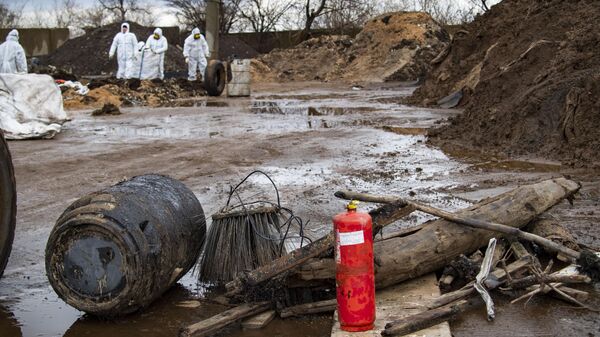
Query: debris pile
{"x": 88, "y": 54}
{"x": 527, "y": 75}
{"x": 124, "y": 93}
{"x": 107, "y": 109}
{"x": 508, "y": 264}
{"x": 391, "y": 47}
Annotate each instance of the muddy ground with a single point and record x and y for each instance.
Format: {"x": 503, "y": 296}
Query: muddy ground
{"x": 313, "y": 139}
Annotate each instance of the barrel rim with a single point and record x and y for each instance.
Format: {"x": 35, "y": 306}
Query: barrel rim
{"x": 88, "y": 224}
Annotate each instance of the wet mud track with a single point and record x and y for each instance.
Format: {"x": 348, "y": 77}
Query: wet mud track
{"x": 312, "y": 139}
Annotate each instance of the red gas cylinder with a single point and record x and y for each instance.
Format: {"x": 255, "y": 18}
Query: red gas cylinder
{"x": 355, "y": 278}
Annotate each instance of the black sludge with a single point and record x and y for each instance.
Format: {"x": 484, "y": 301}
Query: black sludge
{"x": 114, "y": 251}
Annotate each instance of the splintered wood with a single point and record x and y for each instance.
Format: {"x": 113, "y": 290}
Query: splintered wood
{"x": 404, "y": 299}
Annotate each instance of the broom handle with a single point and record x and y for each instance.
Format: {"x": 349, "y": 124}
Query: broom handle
{"x": 482, "y": 224}
{"x": 244, "y": 180}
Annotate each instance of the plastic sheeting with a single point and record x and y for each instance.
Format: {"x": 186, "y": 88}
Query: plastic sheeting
{"x": 30, "y": 106}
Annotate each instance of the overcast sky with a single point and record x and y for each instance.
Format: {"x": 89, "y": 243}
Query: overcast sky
{"x": 163, "y": 15}
{"x": 50, "y": 3}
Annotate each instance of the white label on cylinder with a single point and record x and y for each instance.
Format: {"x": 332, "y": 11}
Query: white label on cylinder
{"x": 352, "y": 238}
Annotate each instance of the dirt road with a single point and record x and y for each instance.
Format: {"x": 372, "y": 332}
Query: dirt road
{"x": 313, "y": 139}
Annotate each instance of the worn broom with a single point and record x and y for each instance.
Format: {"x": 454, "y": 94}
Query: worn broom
{"x": 244, "y": 236}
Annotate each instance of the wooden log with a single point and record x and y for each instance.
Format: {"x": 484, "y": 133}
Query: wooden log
{"x": 215, "y": 323}
{"x": 280, "y": 265}
{"x": 528, "y": 281}
{"x": 468, "y": 221}
{"x": 441, "y": 241}
{"x": 426, "y": 319}
{"x": 309, "y": 308}
{"x": 551, "y": 229}
{"x": 317, "y": 269}
{"x": 382, "y": 216}
{"x": 259, "y": 321}
{"x": 438, "y": 242}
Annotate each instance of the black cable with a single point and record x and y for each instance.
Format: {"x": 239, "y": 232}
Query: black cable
{"x": 288, "y": 223}
{"x": 248, "y": 176}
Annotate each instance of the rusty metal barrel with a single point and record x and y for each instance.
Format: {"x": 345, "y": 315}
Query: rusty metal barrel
{"x": 114, "y": 251}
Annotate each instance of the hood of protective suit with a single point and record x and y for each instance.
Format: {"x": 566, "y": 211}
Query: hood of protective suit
{"x": 126, "y": 25}
{"x": 158, "y": 32}
{"x": 195, "y": 31}
{"x": 13, "y": 35}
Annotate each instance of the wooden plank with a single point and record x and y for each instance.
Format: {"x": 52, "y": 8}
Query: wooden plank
{"x": 309, "y": 308}
{"x": 213, "y": 324}
{"x": 259, "y": 321}
{"x": 401, "y": 300}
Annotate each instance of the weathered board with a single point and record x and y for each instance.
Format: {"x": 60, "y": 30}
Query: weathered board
{"x": 259, "y": 321}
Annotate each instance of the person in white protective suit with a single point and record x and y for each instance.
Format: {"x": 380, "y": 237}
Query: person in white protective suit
{"x": 153, "y": 65}
{"x": 138, "y": 59}
{"x": 12, "y": 55}
{"x": 195, "y": 50}
{"x": 124, "y": 44}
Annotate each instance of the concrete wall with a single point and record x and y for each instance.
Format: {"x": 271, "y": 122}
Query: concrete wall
{"x": 265, "y": 42}
{"x": 39, "y": 41}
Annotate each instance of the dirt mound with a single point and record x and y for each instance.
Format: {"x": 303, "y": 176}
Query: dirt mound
{"x": 529, "y": 73}
{"x": 132, "y": 92}
{"x": 233, "y": 47}
{"x": 88, "y": 54}
{"x": 391, "y": 47}
{"x": 314, "y": 59}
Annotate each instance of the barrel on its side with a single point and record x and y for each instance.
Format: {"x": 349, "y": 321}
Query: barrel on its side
{"x": 114, "y": 251}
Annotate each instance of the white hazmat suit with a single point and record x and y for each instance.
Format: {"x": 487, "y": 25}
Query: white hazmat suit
{"x": 195, "y": 50}
{"x": 124, "y": 44}
{"x": 153, "y": 65}
{"x": 137, "y": 60}
{"x": 12, "y": 55}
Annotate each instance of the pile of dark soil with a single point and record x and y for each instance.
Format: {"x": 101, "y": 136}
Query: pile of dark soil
{"x": 120, "y": 93}
{"x": 391, "y": 47}
{"x": 232, "y": 47}
{"x": 529, "y": 72}
{"x": 88, "y": 54}
{"x": 312, "y": 60}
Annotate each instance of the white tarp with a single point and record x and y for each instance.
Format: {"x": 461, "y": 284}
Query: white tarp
{"x": 30, "y": 106}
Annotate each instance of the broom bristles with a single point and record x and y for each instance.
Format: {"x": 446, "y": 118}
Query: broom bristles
{"x": 239, "y": 241}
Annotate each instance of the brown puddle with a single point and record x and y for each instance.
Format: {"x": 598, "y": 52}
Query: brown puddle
{"x": 290, "y": 108}
{"x": 406, "y": 130}
{"x": 518, "y": 166}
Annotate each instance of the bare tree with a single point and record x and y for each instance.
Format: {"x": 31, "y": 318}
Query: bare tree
{"x": 65, "y": 13}
{"x": 9, "y": 18}
{"x": 481, "y": 4}
{"x": 229, "y": 14}
{"x": 312, "y": 13}
{"x": 192, "y": 13}
{"x": 263, "y": 15}
{"x": 449, "y": 12}
{"x": 143, "y": 17}
{"x": 94, "y": 16}
{"x": 344, "y": 15}
{"x": 124, "y": 9}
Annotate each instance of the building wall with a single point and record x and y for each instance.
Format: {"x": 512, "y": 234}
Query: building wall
{"x": 39, "y": 41}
